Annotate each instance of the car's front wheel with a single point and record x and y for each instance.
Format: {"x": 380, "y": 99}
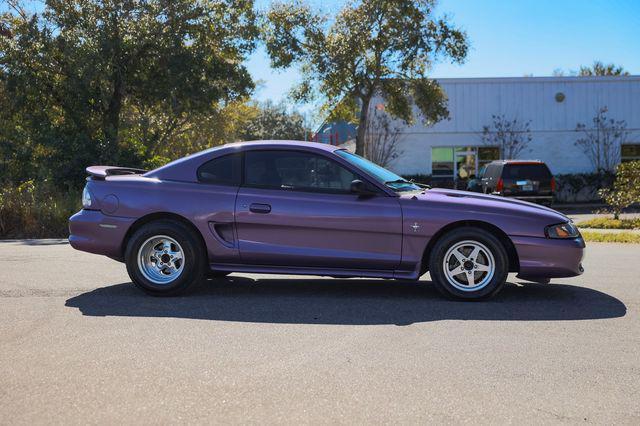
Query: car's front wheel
{"x": 468, "y": 263}
{"x": 164, "y": 258}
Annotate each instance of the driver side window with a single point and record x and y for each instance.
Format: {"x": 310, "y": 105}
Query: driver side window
{"x": 296, "y": 170}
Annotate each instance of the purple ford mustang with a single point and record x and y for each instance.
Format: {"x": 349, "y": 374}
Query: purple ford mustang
{"x": 306, "y": 208}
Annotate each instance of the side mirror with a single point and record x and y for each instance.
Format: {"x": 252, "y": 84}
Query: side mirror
{"x": 357, "y": 186}
{"x": 360, "y": 188}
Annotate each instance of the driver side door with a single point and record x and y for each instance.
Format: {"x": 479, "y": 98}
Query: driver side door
{"x": 295, "y": 209}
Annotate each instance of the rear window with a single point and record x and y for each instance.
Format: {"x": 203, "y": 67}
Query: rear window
{"x": 526, "y": 171}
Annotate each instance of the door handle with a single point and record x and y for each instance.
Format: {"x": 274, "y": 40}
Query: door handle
{"x": 260, "y": 208}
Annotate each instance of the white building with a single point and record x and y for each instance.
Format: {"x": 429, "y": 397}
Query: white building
{"x": 553, "y": 105}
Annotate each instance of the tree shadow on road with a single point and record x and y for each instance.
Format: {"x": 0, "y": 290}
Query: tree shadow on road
{"x": 355, "y": 302}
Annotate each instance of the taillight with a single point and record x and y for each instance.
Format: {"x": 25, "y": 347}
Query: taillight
{"x": 499, "y": 185}
{"x": 553, "y": 184}
{"x": 86, "y": 198}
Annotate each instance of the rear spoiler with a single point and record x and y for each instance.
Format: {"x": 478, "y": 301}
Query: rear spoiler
{"x": 101, "y": 172}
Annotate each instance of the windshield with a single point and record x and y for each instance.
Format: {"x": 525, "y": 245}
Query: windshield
{"x": 380, "y": 174}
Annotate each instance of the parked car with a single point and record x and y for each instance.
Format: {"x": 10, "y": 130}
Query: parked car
{"x": 290, "y": 207}
{"x": 528, "y": 180}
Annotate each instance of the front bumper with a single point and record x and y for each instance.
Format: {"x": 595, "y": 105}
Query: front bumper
{"x": 549, "y": 258}
{"x": 94, "y": 232}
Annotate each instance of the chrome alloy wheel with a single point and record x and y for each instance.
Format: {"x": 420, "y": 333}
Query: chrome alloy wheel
{"x": 161, "y": 259}
{"x": 469, "y": 265}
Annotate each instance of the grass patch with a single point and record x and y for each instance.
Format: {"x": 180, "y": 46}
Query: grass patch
{"x": 610, "y": 223}
{"x": 611, "y": 237}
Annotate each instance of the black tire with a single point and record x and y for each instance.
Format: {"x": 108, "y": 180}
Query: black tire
{"x": 194, "y": 258}
{"x": 456, "y": 237}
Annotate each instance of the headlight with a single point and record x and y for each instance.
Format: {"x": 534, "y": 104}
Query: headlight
{"x": 86, "y": 198}
{"x": 562, "y": 230}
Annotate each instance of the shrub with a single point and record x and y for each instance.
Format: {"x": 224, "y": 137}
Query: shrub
{"x": 611, "y": 237}
{"x": 35, "y": 210}
{"x": 608, "y": 223}
{"x": 625, "y": 190}
{"x": 582, "y": 187}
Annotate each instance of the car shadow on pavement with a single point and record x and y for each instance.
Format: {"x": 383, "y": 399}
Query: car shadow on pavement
{"x": 351, "y": 302}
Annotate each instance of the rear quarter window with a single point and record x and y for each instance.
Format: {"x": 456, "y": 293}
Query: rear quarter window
{"x": 225, "y": 170}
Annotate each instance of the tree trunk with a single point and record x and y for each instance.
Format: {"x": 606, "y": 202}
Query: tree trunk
{"x": 362, "y": 125}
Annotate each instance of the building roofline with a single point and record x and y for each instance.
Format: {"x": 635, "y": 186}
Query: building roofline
{"x": 523, "y": 79}
{"x": 550, "y": 79}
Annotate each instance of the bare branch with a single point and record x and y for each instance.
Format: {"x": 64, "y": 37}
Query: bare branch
{"x": 602, "y": 142}
{"x": 510, "y": 135}
{"x": 382, "y": 138}
{"x": 18, "y": 8}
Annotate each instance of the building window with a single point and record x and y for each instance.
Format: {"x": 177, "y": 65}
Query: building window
{"x": 487, "y": 154}
{"x": 466, "y": 162}
{"x": 460, "y": 163}
{"x": 630, "y": 152}
{"x": 442, "y": 162}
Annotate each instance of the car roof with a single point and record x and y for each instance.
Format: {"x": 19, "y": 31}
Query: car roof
{"x": 185, "y": 168}
{"x": 241, "y": 146}
{"x": 280, "y": 143}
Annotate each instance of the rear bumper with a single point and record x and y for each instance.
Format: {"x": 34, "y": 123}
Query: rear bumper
{"x": 549, "y": 258}
{"x": 94, "y": 232}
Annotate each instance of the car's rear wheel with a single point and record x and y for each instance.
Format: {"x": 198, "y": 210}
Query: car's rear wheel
{"x": 164, "y": 258}
{"x": 468, "y": 263}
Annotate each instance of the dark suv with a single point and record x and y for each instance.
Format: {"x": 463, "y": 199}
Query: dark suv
{"x": 528, "y": 180}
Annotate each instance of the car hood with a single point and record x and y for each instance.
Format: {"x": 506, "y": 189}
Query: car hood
{"x": 491, "y": 204}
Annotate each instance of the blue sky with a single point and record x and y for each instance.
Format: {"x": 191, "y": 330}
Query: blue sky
{"x": 507, "y": 38}
{"x": 511, "y": 38}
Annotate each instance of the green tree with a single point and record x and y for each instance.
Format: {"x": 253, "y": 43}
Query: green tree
{"x": 273, "y": 121}
{"x": 120, "y": 80}
{"x": 371, "y": 47}
{"x": 599, "y": 68}
{"x": 625, "y": 190}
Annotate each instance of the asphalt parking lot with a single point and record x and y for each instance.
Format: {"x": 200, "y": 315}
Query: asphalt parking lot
{"x": 79, "y": 344}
